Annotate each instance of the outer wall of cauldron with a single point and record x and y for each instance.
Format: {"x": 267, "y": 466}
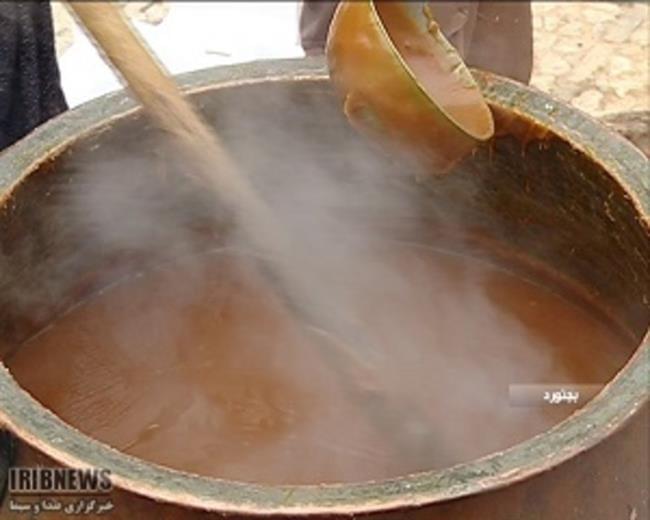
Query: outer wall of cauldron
{"x": 605, "y": 483}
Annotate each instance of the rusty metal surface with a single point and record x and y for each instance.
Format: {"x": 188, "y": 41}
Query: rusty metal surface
{"x": 7, "y": 450}
{"x": 551, "y": 172}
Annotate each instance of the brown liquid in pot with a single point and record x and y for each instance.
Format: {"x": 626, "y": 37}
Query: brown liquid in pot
{"x": 198, "y": 367}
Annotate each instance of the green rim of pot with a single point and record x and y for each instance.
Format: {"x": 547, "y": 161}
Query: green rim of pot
{"x": 607, "y": 412}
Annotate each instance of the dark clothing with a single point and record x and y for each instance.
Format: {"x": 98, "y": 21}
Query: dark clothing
{"x": 493, "y": 36}
{"x": 30, "y": 86}
{"x": 315, "y": 19}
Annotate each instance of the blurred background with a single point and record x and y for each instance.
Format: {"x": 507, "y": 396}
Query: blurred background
{"x": 592, "y": 54}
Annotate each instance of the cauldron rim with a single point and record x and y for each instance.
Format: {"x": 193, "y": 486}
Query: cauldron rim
{"x": 597, "y": 420}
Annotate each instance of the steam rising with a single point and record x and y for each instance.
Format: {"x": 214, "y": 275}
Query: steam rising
{"x": 351, "y": 209}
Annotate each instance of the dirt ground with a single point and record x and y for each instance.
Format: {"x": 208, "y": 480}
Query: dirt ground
{"x": 593, "y": 54}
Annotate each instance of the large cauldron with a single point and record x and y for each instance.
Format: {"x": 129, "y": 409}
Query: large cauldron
{"x": 561, "y": 190}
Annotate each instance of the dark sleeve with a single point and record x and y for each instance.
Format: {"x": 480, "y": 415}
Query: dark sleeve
{"x": 30, "y": 86}
{"x": 315, "y": 18}
{"x": 502, "y": 41}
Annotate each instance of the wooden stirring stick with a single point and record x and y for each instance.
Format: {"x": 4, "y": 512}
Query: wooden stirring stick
{"x": 211, "y": 164}
{"x": 160, "y": 96}
{"x": 218, "y": 172}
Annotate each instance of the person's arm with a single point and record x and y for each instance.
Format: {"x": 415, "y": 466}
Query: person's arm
{"x": 494, "y": 36}
{"x": 30, "y": 86}
{"x": 315, "y": 19}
